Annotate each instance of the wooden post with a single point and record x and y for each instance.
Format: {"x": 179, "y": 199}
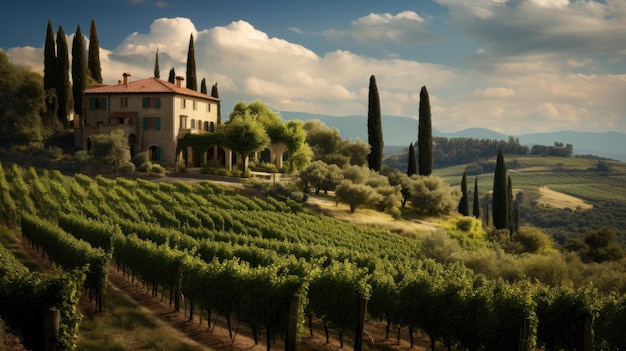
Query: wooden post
{"x": 524, "y": 343}
{"x": 358, "y": 337}
{"x": 588, "y": 334}
{"x": 291, "y": 343}
{"x": 51, "y": 322}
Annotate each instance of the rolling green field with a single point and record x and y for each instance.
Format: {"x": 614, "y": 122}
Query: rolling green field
{"x": 572, "y": 176}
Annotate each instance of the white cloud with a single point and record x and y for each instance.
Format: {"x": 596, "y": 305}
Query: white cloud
{"x": 494, "y": 92}
{"x": 405, "y": 28}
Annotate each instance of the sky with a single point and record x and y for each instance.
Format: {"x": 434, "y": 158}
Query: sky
{"x": 513, "y": 66}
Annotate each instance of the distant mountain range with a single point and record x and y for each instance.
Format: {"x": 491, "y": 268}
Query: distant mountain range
{"x": 399, "y": 132}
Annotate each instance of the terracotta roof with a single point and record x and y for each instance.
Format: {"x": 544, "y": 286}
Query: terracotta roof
{"x": 147, "y": 85}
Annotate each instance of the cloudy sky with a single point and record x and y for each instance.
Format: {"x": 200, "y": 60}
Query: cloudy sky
{"x": 514, "y": 66}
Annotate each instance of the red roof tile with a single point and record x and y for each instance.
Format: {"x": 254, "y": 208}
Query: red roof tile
{"x": 147, "y": 85}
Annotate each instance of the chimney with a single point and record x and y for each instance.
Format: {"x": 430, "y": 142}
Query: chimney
{"x": 126, "y": 75}
{"x": 179, "y": 81}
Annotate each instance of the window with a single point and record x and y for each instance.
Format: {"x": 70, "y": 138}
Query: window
{"x": 153, "y": 123}
{"x": 183, "y": 103}
{"x": 183, "y": 122}
{"x": 97, "y": 103}
{"x": 193, "y": 124}
{"x": 151, "y": 102}
{"x": 195, "y": 105}
{"x": 212, "y": 127}
{"x": 208, "y": 107}
{"x": 124, "y": 102}
{"x": 206, "y": 126}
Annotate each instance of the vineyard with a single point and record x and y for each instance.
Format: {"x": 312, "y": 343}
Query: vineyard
{"x": 275, "y": 266}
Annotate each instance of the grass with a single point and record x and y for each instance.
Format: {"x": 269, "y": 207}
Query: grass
{"x": 124, "y": 327}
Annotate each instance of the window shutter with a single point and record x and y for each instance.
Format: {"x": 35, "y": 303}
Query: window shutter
{"x": 158, "y": 123}
{"x": 158, "y": 153}
{"x": 92, "y": 103}
{"x": 145, "y": 102}
{"x": 158, "y": 102}
{"x": 104, "y": 103}
{"x": 145, "y": 123}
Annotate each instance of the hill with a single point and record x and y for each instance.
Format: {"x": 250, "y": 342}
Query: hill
{"x": 399, "y": 132}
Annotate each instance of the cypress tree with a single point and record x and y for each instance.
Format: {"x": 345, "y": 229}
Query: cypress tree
{"x": 203, "y": 87}
{"x": 412, "y": 161}
{"x": 191, "y": 66}
{"x": 157, "y": 72}
{"x": 216, "y": 94}
{"x": 63, "y": 78}
{"x": 500, "y": 210}
{"x": 79, "y": 70}
{"x": 374, "y": 128}
{"x": 464, "y": 203}
{"x": 172, "y": 76}
{"x": 93, "y": 62}
{"x": 509, "y": 203}
{"x": 49, "y": 59}
{"x": 476, "y": 208}
{"x": 425, "y": 136}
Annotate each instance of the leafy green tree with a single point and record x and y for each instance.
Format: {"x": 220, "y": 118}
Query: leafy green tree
{"x": 245, "y": 136}
{"x": 63, "y": 78}
{"x": 464, "y": 203}
{"x": 322, "y": 139}
{"x": 432, "y": 196}
{"x": 476, "y": 208}
{"x": 172, "y": 76}
{"x": 203, "y": 87}
{"x": 93, "y": 61}
{"x": 412, "y": 168}
{"x": 192, "y": 82}
{"x": 425, "y": 136}
{"x": 356, "y": 151}
{"x": 500, "y": 206}
{"x": 157, "y": 71}
{"x": 597, "y": 246}
{"x": 374, "y": 128}
{"x": 215, "y": 93}
{"x": 112, "y": 150}
{"x": 313, "y": 176}
{"x": 356, "y": 174}
{"x": 356, "y": 195}
{"x": 79, "y": 70}
{"x": 22, "y": 103}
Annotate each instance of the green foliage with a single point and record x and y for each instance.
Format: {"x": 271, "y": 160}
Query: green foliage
{"x": 464, "y": 202}
{"x": 111, "y": 149}
{"x": 356, "y": 195}
{"x": 412, "y": 167}
{"x": 21, "y": 103}
{"x": 425, "y": 136}
{"x": 500, "y": 203}
{"x": 192, "y": 80}
{"x": 374, "y": 128}
{"x": 431, "y": 195}
{"x": 245, "y": 136}
{"x": 62, "y": 86}
{"x": 79, "y": 70}
{"x": 27, "y": 295}
{"x": 93, "y": 59}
